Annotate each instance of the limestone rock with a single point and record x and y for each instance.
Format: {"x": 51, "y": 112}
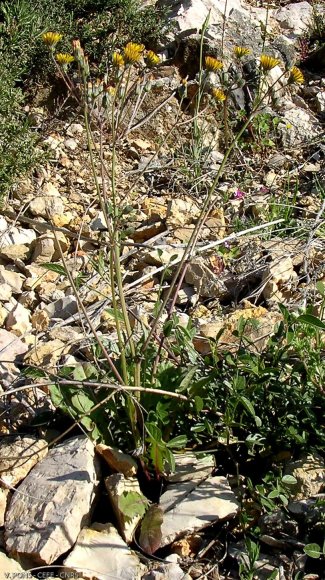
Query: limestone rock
{"x": 5, "y": 292}
{"x": 168, "y": 571}
{"x": 118, "y": 461}
{"x": 11, "y": 567}
{"x": 14, "y": 252}
{"x": 205, "y": 282}
{"x": 13, "y": 279}
{"x": 296, "y": 18}
{"x": 62, "y": 308}
{"x": 18, "y": 320}
{"x": 181, "y": 212}
{"x": 297, "y": 125}
{"x": 46, "y": 354}
{"x": 4, "y": 500}
{"x": 14, "y": 236}
{"x": 11, "y": 347}
{"x": 278, "y": 277}
{"x": 100, "y": 554}
{"x": 17, "y": 457}
{"x": 36, "y": 276}
{"x": 52, "y": 504}
{"x": 191, "y": 467}
{"x": 47, "y": 206}
{"x": 309, "y": 472}
{"x": 188, "y": 510}
{"x": 116, "y": 486}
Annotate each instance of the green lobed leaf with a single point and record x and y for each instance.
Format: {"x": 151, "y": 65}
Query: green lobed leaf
{"x": 150, "y": 533}
{"x": 132, "y": 504}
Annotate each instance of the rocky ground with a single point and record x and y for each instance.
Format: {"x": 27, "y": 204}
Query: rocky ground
{"x": 69, "y": 490}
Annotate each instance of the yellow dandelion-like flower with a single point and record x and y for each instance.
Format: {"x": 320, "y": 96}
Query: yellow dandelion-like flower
{"x": 133, "y": 52}
{"x": 118, "y": 60}
{"x": 296, "y": 76}
{"x": 219, "y": 95}
{"x": 152, "y": 59}
{"x": 64, "y": 58}
{"x": 268, "y": 62}
{"x": 51, "y": 38}
{"x": 213, "y": 64}
{"x": 241, "y": 51}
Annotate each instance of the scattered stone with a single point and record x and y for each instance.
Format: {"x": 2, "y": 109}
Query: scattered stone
{"x": 309, "y": 472}
{"x": 278, "y": 278}
{"x": 11, "y": 347}
{"x": 296, "y": 18}
{"x": 118, "y": 461}
{"x": 205, "y": 282}
{"x": 17, "y": 457}
{"x": 181, "y": 212}
{"x": 46, "y": 514}
{"x": 62, "y": 308}
{"x": 117, "y": 485}
{"x": 101, "y": 553}
{"x": 46, "y": 207}
{"x": 46, "y": 354}
{"x": 15, "y": 252}
{"x": 168, "y": 571}
{"x": 18, "y": 320}
{"x": 14, "y": 236}
{"x": 13, "y": 279}
{"x": 187, "y": 510}
{"x": 5, "y": 292}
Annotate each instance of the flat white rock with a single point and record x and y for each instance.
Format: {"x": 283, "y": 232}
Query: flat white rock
{"x": 188, "y": 510}
{"x": 53, "y": 503}
{"x": 101, "y": 554}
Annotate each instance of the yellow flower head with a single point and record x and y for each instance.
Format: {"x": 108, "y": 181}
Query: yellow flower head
{"x": 296, "y": 76}
{"x": 64, "y": 58}
{"x": 117, "y": 60}
{"x": 241, "y": 51}
{"x": 152, "y": 59}
{"x": 213, "y": 64}
{"x": 51, "y": 38}
{"x": 219, "y": 95}
{"x": 133, "y": 52}
{"x": 268, "y": 62}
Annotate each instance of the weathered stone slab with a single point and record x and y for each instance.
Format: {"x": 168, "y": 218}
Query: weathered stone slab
{"x": 100, "y": 554}
{"x": 188, "y": 510}
{"x": 53, "y": 503}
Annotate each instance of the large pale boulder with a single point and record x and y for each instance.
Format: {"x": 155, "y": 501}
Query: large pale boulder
{"x": 53, "y": 503}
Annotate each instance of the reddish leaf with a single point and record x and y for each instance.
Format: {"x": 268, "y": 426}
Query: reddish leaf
{"x": 150, "y": 534}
